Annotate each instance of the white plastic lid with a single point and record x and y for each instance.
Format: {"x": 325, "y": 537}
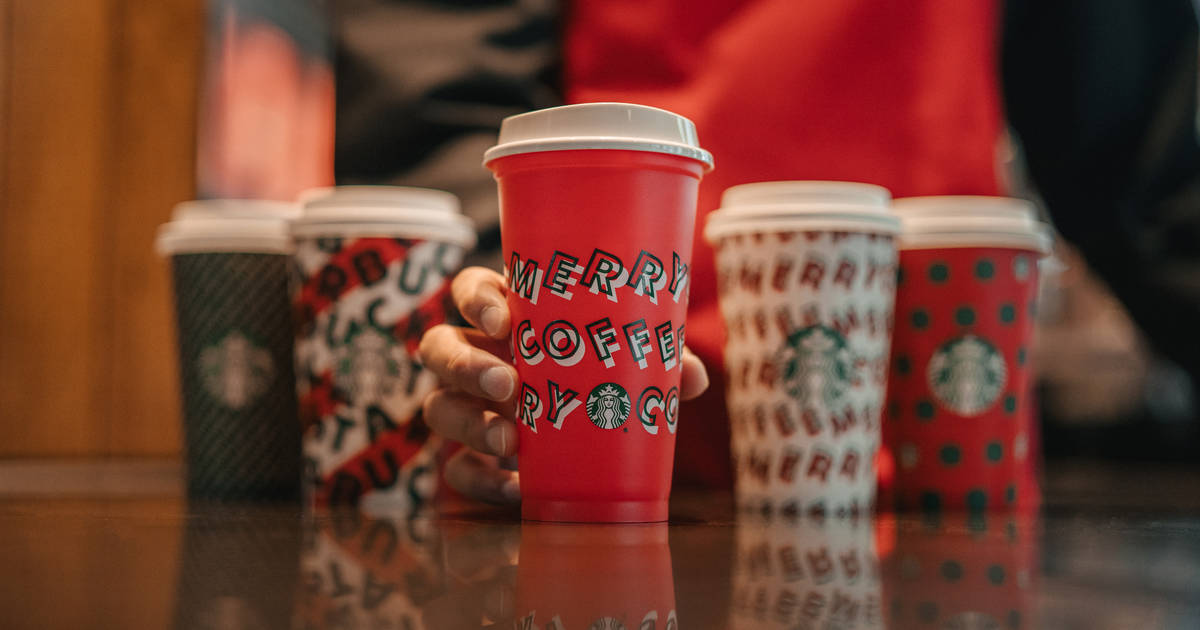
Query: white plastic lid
{"x": 599, "y": 126}
{"x": 802, "y": 206}
{"x": 965, "y": 221}
{"x": 805, "y": 191}
{"x": 390, "y": 211}
{"x": 227, "y": 225}
{"x": 235, "y": 208}
{"x": 406, "y": 196}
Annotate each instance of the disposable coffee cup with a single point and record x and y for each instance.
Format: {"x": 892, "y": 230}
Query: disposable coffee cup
{"x": 961, "y": 423}
{"x": 373, "y": 274}
{"x": 806, "y": 289}
{"x": 229, "y": 260}
{"x": 795, "y": 572}
{"x": 597, "y": 209}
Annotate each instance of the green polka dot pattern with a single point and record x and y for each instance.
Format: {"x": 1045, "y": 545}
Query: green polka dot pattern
{"x": 939, "y": 273}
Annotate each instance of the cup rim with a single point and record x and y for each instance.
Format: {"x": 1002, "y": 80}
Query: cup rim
{"x": 601, "y": 125}
{"x": 805, "y": 191}
{"x": 793, "y": 217}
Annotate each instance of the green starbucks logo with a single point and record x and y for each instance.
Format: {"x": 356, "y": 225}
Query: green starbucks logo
{"x": 608, "y": 406}
{"x": 369, "y": 367}
{"x": 816, "y": 366}
{"x": 235, "y": 371}
{"x": 967, "y": 375}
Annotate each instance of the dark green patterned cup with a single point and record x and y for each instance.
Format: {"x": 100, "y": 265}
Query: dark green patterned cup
{"x": 230, "y": 267}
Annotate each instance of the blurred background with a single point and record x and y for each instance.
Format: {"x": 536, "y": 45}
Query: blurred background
{"x": 111, "y": 111}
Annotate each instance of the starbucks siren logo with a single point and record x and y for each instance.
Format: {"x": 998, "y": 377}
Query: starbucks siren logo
{"x": 816, "y": 366}
{"x": 608, "y": 406}
{"x": 967, "y": 375}
{"x": 235, "y": 371}
{"x": 370, "y": 367}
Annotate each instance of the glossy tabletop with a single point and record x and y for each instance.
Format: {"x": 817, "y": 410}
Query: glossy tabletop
{"x": 1109, "y": 550}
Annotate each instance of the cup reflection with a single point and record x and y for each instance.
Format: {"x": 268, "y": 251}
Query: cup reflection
{"x": 958, "y": 572}
{"x": 595, "y": 577}
{"x": 363, "y": 572}
{"x": 235, "y": 573}
{"x": 797, "y": 572}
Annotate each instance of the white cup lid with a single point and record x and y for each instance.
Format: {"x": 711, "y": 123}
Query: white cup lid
{"x": 802, "y": 206}
{"x": 760, "y": 193}
{"x": 599, "y": 126}
{"x": 407, "y": 196}
{"x": 235, "y": 208}
{"x": 967, "y": 221}
{"x": 391, "y": 211}
{"x": 227, "y": 225}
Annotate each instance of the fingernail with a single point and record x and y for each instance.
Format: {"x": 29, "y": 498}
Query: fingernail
{"x": 497, "y": 438}
{"x": 511, "y": 490}
{"x": 492, "y": 318}
{"x": 496, "y": 382}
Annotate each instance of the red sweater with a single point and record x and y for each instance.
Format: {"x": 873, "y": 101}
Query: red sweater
{"x": 901, "y": 93}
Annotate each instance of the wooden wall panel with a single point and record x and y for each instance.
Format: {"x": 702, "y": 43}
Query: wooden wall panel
{"x": 158, "y": 67}
{"x": 97, "y": 126}
{"x": 52, "y": 325}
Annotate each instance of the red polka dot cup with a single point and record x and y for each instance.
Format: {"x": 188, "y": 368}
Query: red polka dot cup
{"x": 597, "y": 215}
{"x": 806, "y": 282}
{"x": 960, "y": 420}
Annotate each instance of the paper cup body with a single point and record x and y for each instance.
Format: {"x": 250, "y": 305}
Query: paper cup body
{"x": 808, "y": 319}
{"x": 229, "y": 263}
{"x": 961, "y": 425}
{"x": 370, "y": 280}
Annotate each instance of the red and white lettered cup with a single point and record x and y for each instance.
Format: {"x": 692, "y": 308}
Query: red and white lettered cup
{"x": 806, "y": 280}
{"x": 374, "y": 273}
{"x": 597, "y": 211}
{"x": 960, "y": 422}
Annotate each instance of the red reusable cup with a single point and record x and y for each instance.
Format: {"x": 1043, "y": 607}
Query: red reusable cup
{"x": 597, "y": 211}
{"x": 960, "y": 421}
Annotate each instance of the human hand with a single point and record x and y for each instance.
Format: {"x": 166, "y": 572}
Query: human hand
{"x": 475, "y": 403}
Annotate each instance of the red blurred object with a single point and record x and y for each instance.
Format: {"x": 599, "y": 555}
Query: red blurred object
{"x": 267, "y": 113}
{"x": 901, "y": 94}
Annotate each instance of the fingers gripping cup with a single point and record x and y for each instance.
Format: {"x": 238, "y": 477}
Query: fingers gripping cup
{"x": 597, "y": 211}
{"x": 229, "y": 261}
{"x": 960, "y": 422}
{"x": 805, "y": 280}
{"x": 374, "y": 275}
